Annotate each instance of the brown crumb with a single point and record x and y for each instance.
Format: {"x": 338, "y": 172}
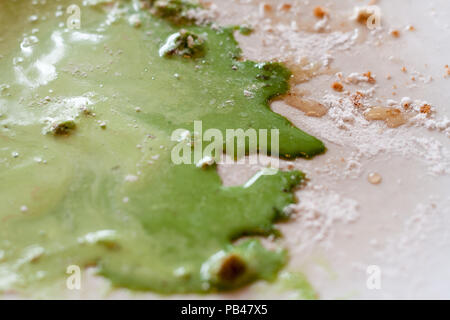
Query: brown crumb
{"x": 369, "y": 76}
{"x": 404, "y": 69}
{"x": 337, "y": 86}
{"x": 356, "y": 99}
{"x": 232, "y": 268}
{"x": 411, "y": 28}
{"x": 267, "y": 7}
{"x": 286, "y": 7}
{"x": 406, "y": 105}
{"x": 63, "y": 128}
{"x": 320, "y": 12}
{"x": 425, "y": 109}
{"x": 362, "y": 16}
{"x": 395, "y": 33}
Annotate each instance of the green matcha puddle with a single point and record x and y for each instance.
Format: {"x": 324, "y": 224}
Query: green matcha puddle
{"x": 85, "y": 168}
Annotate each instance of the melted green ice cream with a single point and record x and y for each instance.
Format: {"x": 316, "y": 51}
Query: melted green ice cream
{"x": 86, "y": 117}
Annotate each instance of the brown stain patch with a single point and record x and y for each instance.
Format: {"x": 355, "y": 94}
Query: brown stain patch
{"x": 337, "y": 86}
{"x": 320, "y": 12}
{"x": 425, "y": 109}
{"x": 232, "y": 268}
{"x": 310, "y": 107}
{"x": 391, "y": 116}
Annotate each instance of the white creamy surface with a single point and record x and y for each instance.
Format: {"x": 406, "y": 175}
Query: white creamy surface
{"x": 344, "y": 224}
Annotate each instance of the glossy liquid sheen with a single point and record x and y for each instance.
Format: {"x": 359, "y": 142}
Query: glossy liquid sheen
{"x": 102, "y": 189}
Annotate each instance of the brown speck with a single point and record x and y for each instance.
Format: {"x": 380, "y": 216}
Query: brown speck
{"x": 320, "y": 12}
{"x": 267, "y": 7}
{"x": 425, "y": 109}
{"x": 404, "y": 69}
{"x": 102, "y": 124}
{"x": 369, "y": 76}
{"x": 337, "y": 86}
{"x": 232, "y": 268}
{"x": 286, "y": 7}
{"x": 356, "y": 99}
{"x": 363, "y": 16}
{"x": 395, "y": 33}
{"x": 63, "y": 128}
{"x": 111, "y": 245}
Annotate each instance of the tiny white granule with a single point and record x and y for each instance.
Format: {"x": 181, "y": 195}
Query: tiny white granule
{"x": 391, "y": 102}
{"x": 102, "y": 124}
{"x": 33, "y": 18}
{"x": 206, "y": 162}
{"x": 135, "y": 21}
{"x": 248, "y": 93}
{"x": 131, "y": 178}
{"x": 406, "y": 101}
